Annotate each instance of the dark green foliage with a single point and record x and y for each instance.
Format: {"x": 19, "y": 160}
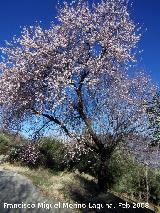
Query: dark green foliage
{"x": 87, "y": 163}
{"x": 14, "y": 153}
{"x": 9, "y": 140}
{"x": 30, "y": 154}
{"x": 48, "y": 152}
{"x": 126, "y": 175}
{"x": 154, "y": 183}
{"x": 53, "y": 152}
{"x": 26, "y": 154}
{"x": 130, "y": 178}
{"x": 154, "y": 117}
{"x": 4, "y": 144}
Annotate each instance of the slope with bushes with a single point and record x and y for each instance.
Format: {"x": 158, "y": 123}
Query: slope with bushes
{"x": 127, "y": 176}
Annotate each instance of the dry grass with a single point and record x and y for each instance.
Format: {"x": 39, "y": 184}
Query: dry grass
{"x": 56, "y": 185}
{"x": 65, "y": 186}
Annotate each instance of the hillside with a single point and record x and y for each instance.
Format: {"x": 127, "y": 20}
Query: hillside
{"x": 71, "y": 188}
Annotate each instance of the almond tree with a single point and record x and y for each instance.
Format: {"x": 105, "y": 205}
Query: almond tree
{"x": 75, "y": 75}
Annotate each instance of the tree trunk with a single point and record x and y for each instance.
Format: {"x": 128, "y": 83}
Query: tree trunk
{"x": 103, "y": 174}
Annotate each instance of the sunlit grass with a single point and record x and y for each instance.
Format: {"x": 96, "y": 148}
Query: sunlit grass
{"x": 64, "y": 186}
{"x": 56, "y": 185}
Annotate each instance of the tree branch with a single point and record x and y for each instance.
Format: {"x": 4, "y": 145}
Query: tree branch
{"x": 55, "y": 120}
{"x": 80, "y": 109}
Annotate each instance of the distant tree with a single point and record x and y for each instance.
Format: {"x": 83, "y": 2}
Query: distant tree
{"x": 75, "y": 76}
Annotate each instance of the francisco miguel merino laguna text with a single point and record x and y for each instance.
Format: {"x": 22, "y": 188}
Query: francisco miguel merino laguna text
{"x": 45, "y": 205}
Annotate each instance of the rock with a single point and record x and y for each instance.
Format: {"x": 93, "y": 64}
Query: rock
{"x": 16, "y": 189}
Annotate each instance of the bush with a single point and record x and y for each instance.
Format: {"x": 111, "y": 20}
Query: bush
{"x": 129, "y": 178}
{"x": 154, "y": 186}
{"x": 86, "y": 162}
{"x": 127, "y": 175}
{"x": 26, "y": 154}
{"x": 14, "y": 153}
{"x": 5, "y": 144}
{"x": 48, "y": 152}
{"x": 29, "y": 154}
{"x": 52, "y": 151}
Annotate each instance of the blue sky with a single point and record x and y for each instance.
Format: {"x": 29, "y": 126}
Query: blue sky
{"x": 14, "y": 14}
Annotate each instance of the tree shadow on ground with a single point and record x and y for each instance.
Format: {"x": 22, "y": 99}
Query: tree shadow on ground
{"x": 89, "y": 195}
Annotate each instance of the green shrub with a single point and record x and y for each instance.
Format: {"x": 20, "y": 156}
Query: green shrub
{"x": 14, "y": 153}
{"x": 86, "y": 162}
{"x": 5, "y": 144}
{"x": 48, "y": 152}
{"x": 26, "y": 154}
{"x": 30, "y": 154}
{"x": 129, "y": 177}
{"x": 154, "y": 185}
{"x": 52, "y": 151}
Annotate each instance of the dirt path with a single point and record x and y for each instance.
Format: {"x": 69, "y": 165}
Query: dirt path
{"x": 16, "y": 189}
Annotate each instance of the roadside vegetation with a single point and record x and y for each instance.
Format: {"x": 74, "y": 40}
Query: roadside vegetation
{"x": 68, "y": 181}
